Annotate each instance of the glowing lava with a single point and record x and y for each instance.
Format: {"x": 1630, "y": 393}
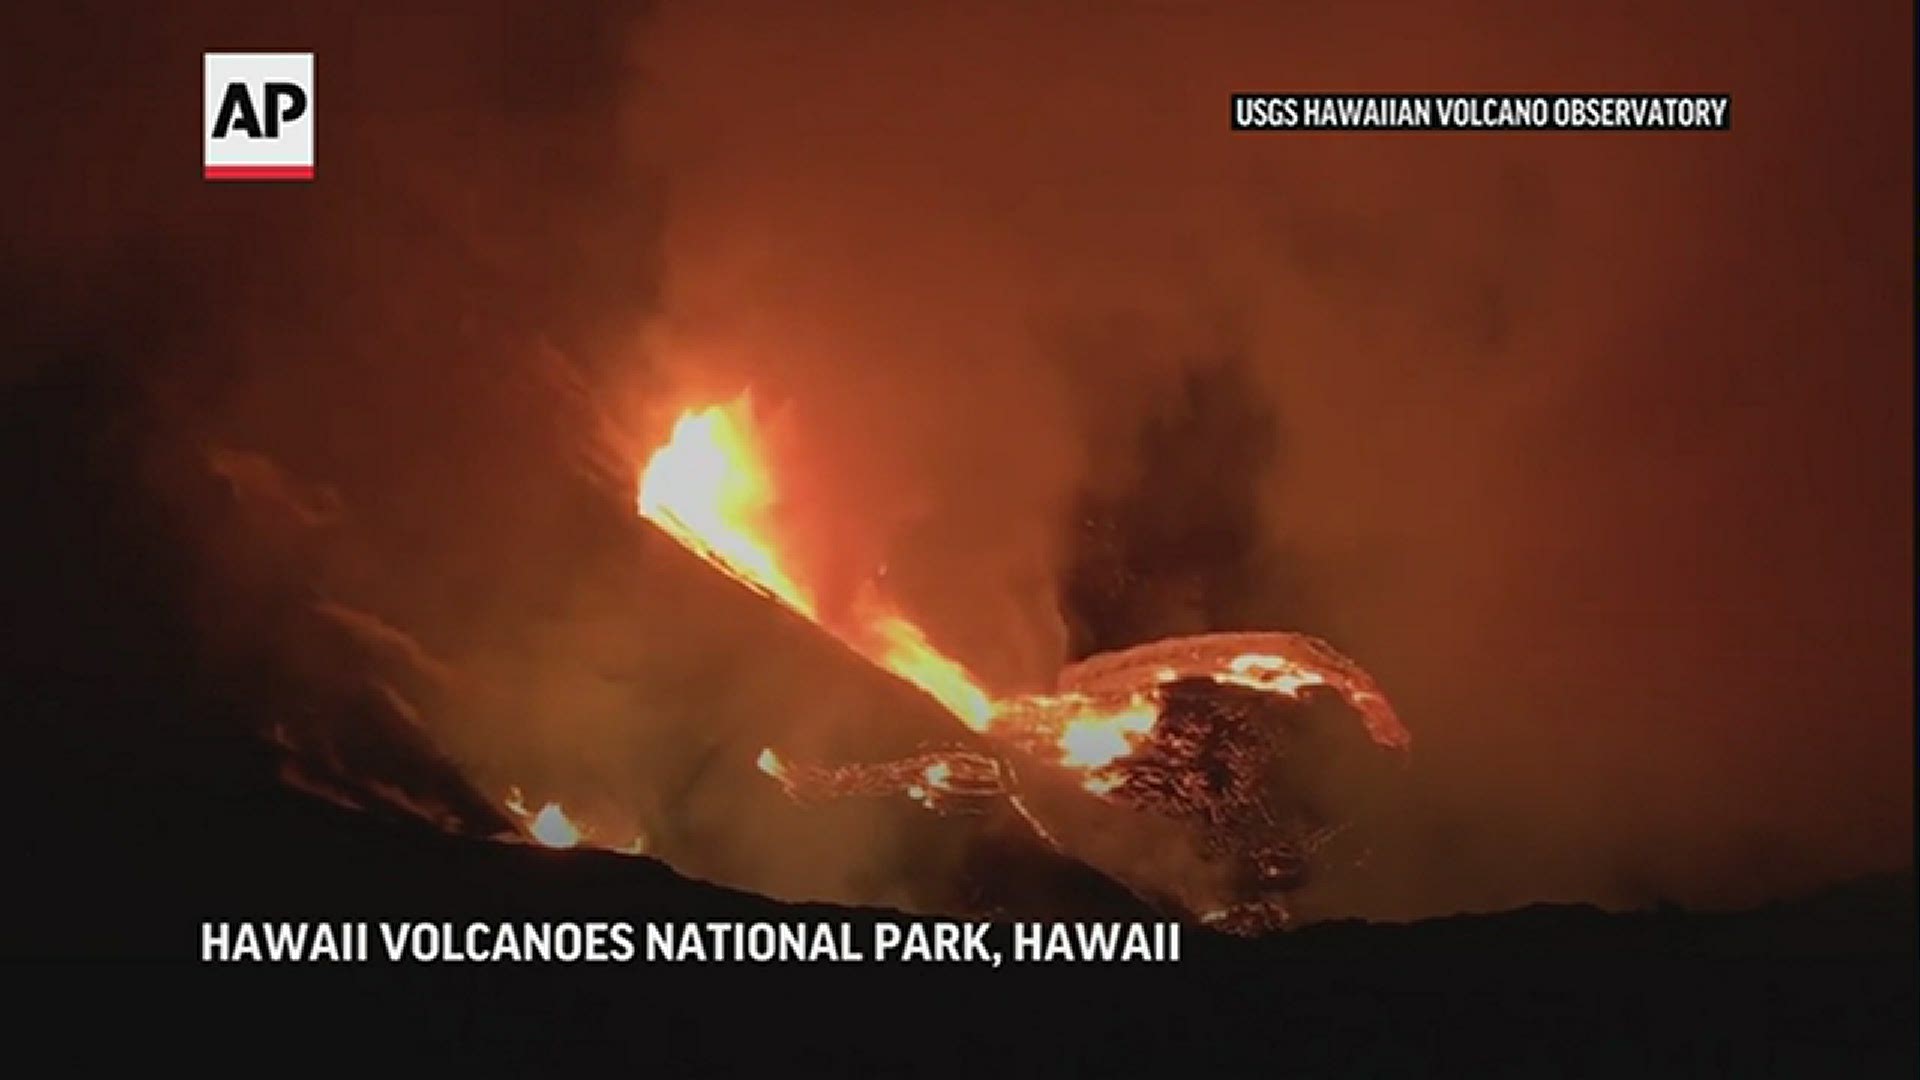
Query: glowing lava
{"x": 712, "y": 488}
{"x": 904, "y": 650}
{"x": 549, "y": 826}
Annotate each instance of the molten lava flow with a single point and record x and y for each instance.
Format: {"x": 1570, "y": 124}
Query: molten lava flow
{"x": 904, "y": 650}
{"x": 1178, "y": 729}
{"x": 549, "y": 826}
{"x": 1094, "y": 740}
{"x": 712, "y": 489}
{"x": 945, "y": 780}
{"x": 1282, "y": 664}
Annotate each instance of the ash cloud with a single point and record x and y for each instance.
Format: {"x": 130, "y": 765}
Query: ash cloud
{"x": 1593, "y": 449}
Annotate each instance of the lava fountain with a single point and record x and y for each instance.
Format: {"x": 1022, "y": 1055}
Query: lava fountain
{"x": 1171, "y": 731}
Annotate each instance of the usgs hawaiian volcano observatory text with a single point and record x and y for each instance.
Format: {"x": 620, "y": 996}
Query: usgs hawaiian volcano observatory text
{"x": 1482, "y": 112}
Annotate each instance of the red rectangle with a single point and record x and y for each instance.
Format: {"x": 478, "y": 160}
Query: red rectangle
{"x": 259, "y": 172}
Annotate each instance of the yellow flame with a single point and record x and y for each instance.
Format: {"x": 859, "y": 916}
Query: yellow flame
{"x": 710, "y": 489}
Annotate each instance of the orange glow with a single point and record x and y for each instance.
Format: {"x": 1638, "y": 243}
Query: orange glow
{"x": 1272, "y": 673}
{"x": 549, "y": 825}
{"x": 905, "y": 652}
{"x": 712, "y": 488}
{"x": 1095, "y": 740}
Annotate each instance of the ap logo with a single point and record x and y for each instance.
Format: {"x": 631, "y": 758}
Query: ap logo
{"x": 259, "y": 116}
